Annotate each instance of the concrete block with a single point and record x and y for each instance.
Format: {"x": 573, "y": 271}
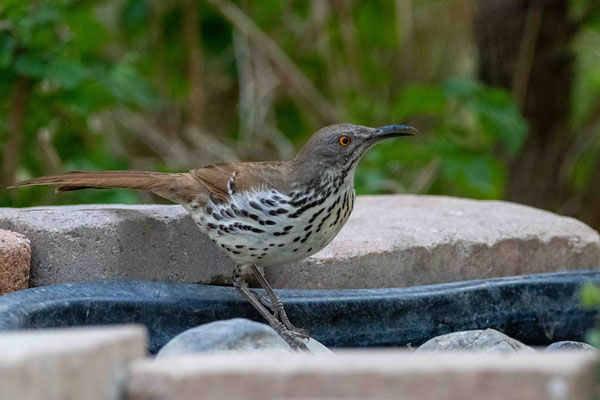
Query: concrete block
{"x": 68, "y": 364}
{"x": 366, "y": 375}
{"x": 117, "y": 242}
{"x": 398, "y": 241}
{"x": 15, "y": 256}
{"x": 389, "y": 241}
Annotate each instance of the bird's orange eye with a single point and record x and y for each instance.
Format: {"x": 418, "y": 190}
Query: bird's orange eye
{"x": 344, "y": 140}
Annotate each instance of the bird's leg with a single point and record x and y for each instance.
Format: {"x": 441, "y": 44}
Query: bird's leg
{"x": 239, "y": 282}
{"x": 276, "y": 305}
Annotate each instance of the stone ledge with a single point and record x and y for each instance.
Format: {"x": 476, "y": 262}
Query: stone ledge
{"x": 68, "y": 364}
{"x": 397, "y": 241}
{"x": 366, "y": 375}
{"x": 116, "y": 242}
{"x": 15, "y": 258}
{"x": 389, "y": 241}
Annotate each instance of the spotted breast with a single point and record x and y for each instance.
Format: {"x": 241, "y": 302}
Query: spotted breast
{"x": 266, "y": 227}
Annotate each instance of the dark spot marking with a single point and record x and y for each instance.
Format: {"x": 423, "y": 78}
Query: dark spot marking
{"x": 255, "y": 205}
{"x": 267, "y": 202}
{"x": 239, "y": 246}
{"x": 315, "y": 215}
{"x": 306, "y": 237}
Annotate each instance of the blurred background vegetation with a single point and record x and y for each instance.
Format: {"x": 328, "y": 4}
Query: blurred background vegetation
{"x": 505, "y": 93}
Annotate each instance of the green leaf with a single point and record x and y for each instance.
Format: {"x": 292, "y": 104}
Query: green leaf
{"x": 502, "y": 118}
{"x": 418, "y": 100}
{"x": 590, "y": 295}
{"x": 461, "y": 88}
{"x": 7, "y": 47}
{"x": 129, "y": 87}
{"x": 475, "y": 175}
{"x": 135, "y": 15}
{"x": 30, "y": 65}
{"x": 67, "y": 73}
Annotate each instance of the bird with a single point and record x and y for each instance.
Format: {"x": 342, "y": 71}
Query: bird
{"x": 260, "y": 213}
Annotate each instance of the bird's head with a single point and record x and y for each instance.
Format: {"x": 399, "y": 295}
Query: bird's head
{"x": 341, "y": 146}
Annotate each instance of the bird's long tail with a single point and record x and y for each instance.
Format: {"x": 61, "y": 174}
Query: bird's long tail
{"x": 162, "y": 184}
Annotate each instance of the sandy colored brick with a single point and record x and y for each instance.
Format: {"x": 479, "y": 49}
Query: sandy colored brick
{"x": 15, "y": 258}
{"x": 68, "y": 364}
{"x": 366, "y": 375}
{"x": 407, "y": 240}
{"x": 389, "y": 241}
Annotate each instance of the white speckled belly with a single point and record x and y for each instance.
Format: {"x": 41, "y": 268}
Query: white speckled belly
{"x": 265, "y": 227}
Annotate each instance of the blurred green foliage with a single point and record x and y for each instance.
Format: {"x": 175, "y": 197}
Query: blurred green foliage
{"x": 590, "y": 298}
{"x": 167, "y": 85}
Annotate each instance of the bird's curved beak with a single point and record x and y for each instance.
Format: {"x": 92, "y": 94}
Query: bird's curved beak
{"x": 390, "y": 131}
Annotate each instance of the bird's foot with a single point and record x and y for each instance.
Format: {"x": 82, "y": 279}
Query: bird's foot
{"x": 301, "y": 333}
{"x": 278, "y": 313}
{"x": 292, "y": 338}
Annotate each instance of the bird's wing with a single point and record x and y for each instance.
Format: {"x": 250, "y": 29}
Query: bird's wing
{"x": 223, "y": 179}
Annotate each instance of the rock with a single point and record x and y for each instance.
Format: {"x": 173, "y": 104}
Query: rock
{"x": 483, "y": 341}
{"x": 233, "y": 335}
{"x": 316, "y": 347}
{"x": 569, "y": 345}
{"x": 389, "y": 241}
{"x": 15, "y": 257}
{"x": 406, "y": 240}
{"x": 116, "y": 242}
{"x": 68, "y": 364}
{"x": 366, "y": 375}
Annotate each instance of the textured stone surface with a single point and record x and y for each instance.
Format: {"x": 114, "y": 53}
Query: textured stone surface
{"x": 233, "y": 335}
{"x": 395, "y": 241}
{"x": 366, "y": 375}
{"x": 482, "y": 341}
{"x": 389, "y": 241}
{"x": 569, "y": 345}
{"x": 96, "y": 242}
{"x": 15, "y": 256}
{"x": 74, "y": 364}
{"x": 535, "y": 309}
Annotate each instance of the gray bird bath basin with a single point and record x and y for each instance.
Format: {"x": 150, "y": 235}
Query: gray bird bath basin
{"x": 535, "y": 309}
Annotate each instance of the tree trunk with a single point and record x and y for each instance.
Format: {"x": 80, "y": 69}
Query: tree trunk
{"x": 524, "y": 47}
{"x": 17, "y": 111}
